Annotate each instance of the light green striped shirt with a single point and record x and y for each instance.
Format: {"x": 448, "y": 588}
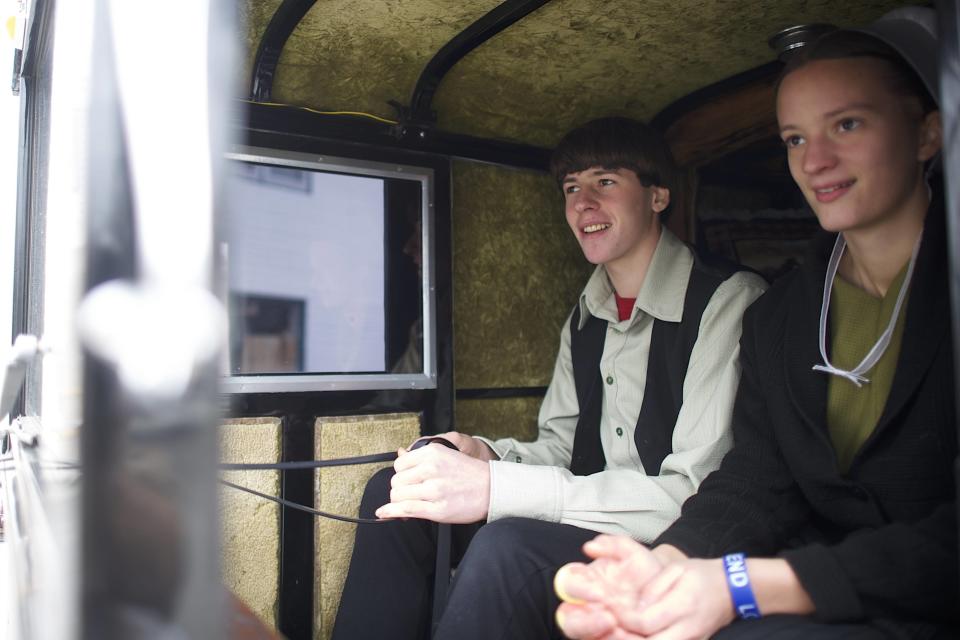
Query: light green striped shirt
{"x": 623, "y": 498}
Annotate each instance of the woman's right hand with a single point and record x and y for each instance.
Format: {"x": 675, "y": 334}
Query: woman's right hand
{"x": 597, "y": 597}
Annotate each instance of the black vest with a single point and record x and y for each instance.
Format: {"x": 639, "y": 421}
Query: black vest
{"x": 670, "y": 347}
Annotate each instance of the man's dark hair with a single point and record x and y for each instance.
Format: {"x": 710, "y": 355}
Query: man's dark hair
{"x": 840, "y": 44}
{"x": 616, "y": 143}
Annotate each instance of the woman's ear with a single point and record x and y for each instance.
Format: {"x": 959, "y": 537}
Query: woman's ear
{"x": 931, "y": 136}
{"x": 661, "y": 198}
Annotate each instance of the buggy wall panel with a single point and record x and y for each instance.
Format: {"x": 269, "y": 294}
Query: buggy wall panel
{"x": 339, "y": 489}
{"x": 251, "y": 525}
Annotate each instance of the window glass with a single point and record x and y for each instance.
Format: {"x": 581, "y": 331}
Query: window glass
{"x": 324, "y": 272}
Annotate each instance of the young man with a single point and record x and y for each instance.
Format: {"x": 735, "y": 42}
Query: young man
{"x": 636, "y": 415}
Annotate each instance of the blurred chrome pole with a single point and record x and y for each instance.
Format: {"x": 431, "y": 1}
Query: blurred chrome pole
{"x": 149, "y": 325}
{"x": 948, "y": 16}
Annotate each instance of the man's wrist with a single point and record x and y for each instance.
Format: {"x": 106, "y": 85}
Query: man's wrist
{"x": 480, "y": 450}
{"x": 487, "y": 451}
{"x": 495, "y": 452}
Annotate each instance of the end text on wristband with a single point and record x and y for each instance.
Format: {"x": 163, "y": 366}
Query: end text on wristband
{"x": 744, "y": 603}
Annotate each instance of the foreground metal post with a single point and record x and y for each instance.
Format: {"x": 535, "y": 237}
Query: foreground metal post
{"x": 150, "y": 327}
{"x": 948, "y": 15}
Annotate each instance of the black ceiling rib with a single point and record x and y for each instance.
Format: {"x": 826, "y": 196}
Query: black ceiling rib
{"x": 292, "y": 122}
{"x": 501, "y": 17}
{"x": 284, "y": 21}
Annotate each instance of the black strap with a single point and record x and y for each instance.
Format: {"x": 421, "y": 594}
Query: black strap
{"x": 301, "y": 507}
{"x": 441, "y": 571}
{"x": 441, "y": 575}
{"x": 308, "y": 464}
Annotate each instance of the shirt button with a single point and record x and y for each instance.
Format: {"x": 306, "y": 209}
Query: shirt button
{"x": 609, "y": 379}
{"x": 619, "y": 431}
{"x": 519, "y": 459}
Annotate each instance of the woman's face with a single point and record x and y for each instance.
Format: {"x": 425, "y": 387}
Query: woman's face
{"x": 855, "y": 147}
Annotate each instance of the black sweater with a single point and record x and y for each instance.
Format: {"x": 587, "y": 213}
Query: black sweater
{"x": 879, "y": 542}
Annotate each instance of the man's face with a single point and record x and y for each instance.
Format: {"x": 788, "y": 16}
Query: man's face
{"x": 612, "y": 215}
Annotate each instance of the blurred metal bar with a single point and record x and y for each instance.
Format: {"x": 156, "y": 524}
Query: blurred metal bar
{"x": 25, "y": 349}
{"x": 16, "y": 502}
{"x": 38, "y": 25}
{"x": 949, "y": 24}
{"x": 149, "y": 325}
{"x": 34, "y": 85}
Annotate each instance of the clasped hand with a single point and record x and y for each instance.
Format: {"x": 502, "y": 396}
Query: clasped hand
{"x": 630, "y": 592}
{"x": 437, "y": 483}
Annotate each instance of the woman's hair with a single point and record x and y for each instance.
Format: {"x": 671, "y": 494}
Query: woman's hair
{"x": 616, "y": 143}
{"x": 840, "y": 44}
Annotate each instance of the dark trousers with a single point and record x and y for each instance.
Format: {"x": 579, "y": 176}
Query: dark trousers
{"x": 782, "y": 627}
{"x": 388, "y": 593}
{"x": 502, "y": 588}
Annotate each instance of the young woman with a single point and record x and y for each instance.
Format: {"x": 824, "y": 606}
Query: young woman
{"x": 834, "y": 516}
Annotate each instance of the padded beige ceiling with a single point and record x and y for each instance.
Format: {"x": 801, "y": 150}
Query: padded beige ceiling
{"x": 569, "y": 61}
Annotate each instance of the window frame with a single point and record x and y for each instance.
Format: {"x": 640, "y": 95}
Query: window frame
{"x": 310, "y": 381}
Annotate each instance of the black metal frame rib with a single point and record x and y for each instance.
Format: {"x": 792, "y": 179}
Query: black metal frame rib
{"x": 299, "y": 125}
{"x": 501, "y": 17}
{"x": 284, "y": 21}
{"x": 500, "y": 393}
{"x": 948, "y": 16}
{"x": 419, "y": 116}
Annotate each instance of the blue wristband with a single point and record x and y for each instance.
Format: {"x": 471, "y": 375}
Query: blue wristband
{"x": 735, "y": 564}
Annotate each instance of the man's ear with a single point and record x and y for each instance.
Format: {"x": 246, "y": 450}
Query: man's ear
{"x": 931, "y": 136}
{"x": 661, "y": 198}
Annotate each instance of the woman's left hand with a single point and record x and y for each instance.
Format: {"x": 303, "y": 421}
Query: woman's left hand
{"x": 596, "y": 594}
{"x": 688, "y": 600}
{"x": 629, "y": 594}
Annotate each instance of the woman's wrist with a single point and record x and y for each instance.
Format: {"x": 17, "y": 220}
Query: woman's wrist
{"x": 777, "y": 588}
